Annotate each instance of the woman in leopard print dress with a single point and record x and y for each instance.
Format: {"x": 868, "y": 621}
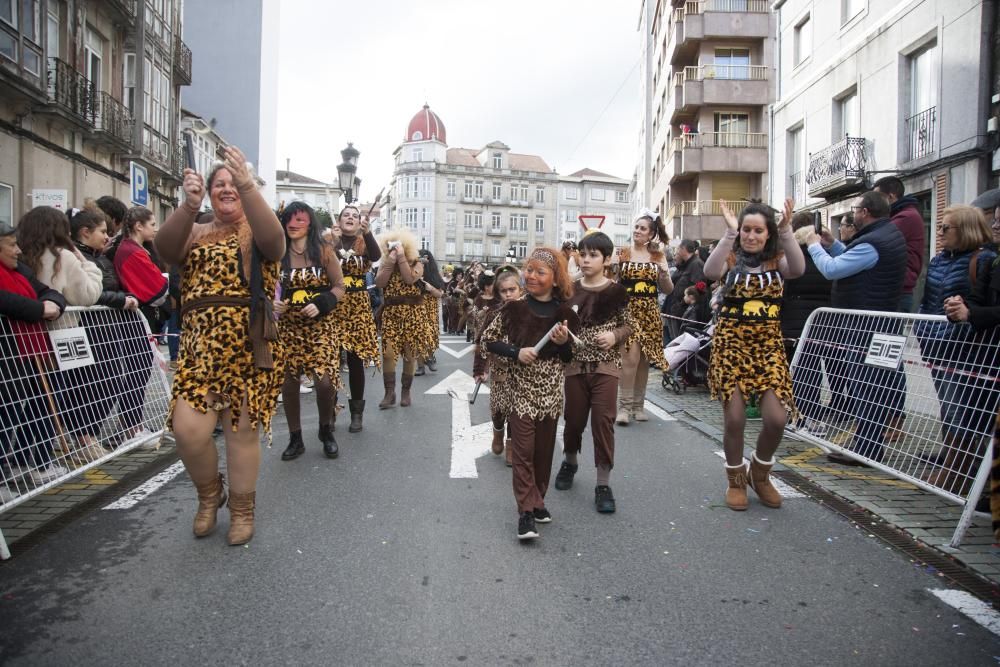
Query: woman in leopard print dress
{"x": 406, "y": 331}
{"x": 354, "y": 322}
{"x": 537, "y": 377}
{"x": 230, "y": 362}
{"x": 311, "y": 285}
{"x": 748, "y": 352}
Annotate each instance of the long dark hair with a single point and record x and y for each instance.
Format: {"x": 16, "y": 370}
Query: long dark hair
{"x": 137, "y": 215}
{"x": 659, "y": 229}
{"x": 85, "y": 219}
{"x": 314, "y": 241}
{"x": 40, "y": 230}
{"x": 771, "y": 246}
{"x": 431, "y": 272}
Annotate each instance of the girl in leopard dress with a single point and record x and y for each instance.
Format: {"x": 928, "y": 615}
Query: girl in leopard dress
{"x": 642, "y": 269}
{"x": 748, "y": 352}
{"x": 311, "y": 285}
{"x": 230, "y": 360}
{"x": 354, "y": 322}
{"x": 432, "y": 287}
{"x": 536, "y": 398}
{"x": 406, "y": 331}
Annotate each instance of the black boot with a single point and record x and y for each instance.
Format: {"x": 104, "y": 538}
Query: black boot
{"x": 330, "y": 448}
{"x": 432, "y": 363}
{"x": 295, "y": 447}
{"x": 357, "y": 408}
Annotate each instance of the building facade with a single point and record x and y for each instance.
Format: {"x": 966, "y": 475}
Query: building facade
{"x": 707, "y": 84}
{"x": 85, "y": 88}
{"x": 870, "y": 88}
{"x": 589, "y": 193}
{"x": 236, "y": 76}
{"x": 469, "y": 204}
{"x": 290, "y": 186}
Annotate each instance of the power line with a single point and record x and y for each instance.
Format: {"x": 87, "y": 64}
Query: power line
{"x": 604, "y": 110}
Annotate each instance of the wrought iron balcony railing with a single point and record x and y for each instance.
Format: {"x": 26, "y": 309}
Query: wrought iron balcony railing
{"x": 840, "y": 168}
{"x": 71, "y": 91}
{"x": 920, "y": 132}
{"x": 113, "y": 119}
{"x": 124, "y": 7}
{"x": 182, "y": 61}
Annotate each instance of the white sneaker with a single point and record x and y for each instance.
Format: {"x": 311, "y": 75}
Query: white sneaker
{"x": 6, "y": 495}
{"x": 816, "y": 428}
{"x": 304, "y": 389}
{"x": 141, "y": 434}
{"x": 53, "y": 471}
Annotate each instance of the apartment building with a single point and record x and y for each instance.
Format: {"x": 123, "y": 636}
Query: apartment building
{"x": 592, "y": 193}
{"x": 470, "y": 204}
{"x": 869, "y": 88}
{"x": 85, "y": 88}
{"x": 707, "y": 82}
{"x": 291, "y": 186}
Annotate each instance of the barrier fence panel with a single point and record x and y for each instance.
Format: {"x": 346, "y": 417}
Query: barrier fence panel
{"x": 75, "y": 393}
{"x": 913, "y": 395}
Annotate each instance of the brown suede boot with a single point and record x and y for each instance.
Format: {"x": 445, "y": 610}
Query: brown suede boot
{"x": 624, "y": 407}
{"x": 389, "y": 381}
{"x": 404, "y": 394}
{"x": 241, "y": 506}
{"x": 211, "y": 497}
{"x": 736, "y": 494}
{"x": 497, "y": 446}
{"x": 760, "y": 482}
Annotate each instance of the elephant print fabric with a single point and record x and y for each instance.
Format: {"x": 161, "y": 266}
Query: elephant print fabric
{"x": 311, "y": 344}
{"x": 639, "y": 280}
{"x": 748, "y": 350}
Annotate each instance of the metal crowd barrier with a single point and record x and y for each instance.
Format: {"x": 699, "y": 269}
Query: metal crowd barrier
{"x": 74, "y": 394}
{"x": 915, "y": 396}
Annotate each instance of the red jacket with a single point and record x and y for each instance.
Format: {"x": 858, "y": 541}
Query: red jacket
{"x": 138, "y": 275}
{"x": 909, "y": 221}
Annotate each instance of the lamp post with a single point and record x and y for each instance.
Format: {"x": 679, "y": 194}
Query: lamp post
{"x": 346, "y": 172}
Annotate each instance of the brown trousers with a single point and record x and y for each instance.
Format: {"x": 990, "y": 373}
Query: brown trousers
{"x": 533, "y": 441}
{"x": 597, "y": 394}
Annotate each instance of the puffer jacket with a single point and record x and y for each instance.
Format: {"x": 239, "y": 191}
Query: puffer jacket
{"x": 804, "y": 294}
{"x": 111, "y": 295}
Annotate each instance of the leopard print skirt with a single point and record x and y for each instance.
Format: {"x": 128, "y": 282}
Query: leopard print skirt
{"x": 311, "y": 346}
{"x": 749, "y": 356}
{"x": 406, "y": 330}
{"x": 354, "y": 326}
{"x": 648, "y": 334}
{"x": 432, "y": 311}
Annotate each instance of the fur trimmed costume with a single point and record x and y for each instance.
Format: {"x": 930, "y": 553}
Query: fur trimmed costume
{"x": 354, "y": 321}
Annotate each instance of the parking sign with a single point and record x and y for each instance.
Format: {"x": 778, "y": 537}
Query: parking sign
{"x": 140, "y": 184}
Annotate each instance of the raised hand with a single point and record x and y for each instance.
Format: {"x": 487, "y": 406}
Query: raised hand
{"x": 731, "y": 220}
{"x": 786, "y": 217}
{"x": 236, "y": 163}
{"x": 194, "y": 189}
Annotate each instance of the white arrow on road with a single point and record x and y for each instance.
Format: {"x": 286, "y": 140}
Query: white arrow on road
{"x": 460, "y": 353}
{"x": 468, "y": 441}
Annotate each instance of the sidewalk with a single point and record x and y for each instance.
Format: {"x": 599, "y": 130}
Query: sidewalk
{"x": 929, "y": 519}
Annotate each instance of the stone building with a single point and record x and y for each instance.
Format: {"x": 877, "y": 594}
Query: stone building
{"x": 588, "y": 192}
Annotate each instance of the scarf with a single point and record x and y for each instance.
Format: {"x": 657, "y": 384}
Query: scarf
{"x": 31, "y": 337}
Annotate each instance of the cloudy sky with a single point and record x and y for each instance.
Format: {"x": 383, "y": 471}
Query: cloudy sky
{"x": 534, "y": 74}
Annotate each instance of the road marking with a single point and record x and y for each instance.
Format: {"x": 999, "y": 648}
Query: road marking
{"x": 801, "y": 462}
{"x": 656, "y": 411}
{"x": 459, "y": 382}
{"x": 784, "y": 489}
{"x": 459, "y": 354}
{"x": 971, "y": 606}
{"x": 133, "y": 497}
{"x": 468, "y": 441}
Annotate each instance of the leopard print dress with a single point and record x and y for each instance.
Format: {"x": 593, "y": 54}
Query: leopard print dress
{"x": 216, "y": 355}
{"x": 748, "y": 350}
{"x": 405, "y": 327}
{"x": 354, "y": 322}
{"x": 639, "y": 280}
{"x": 311, "y": 344}
{"x": 431, "y": 310}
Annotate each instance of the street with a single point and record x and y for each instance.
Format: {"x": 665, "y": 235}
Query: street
{"x": 397, "y": 554}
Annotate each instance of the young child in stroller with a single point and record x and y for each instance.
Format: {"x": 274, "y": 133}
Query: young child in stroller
{"x": 688, "y": 353}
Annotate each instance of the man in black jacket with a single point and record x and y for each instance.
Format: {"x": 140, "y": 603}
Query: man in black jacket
{"x": 690, "y": 270}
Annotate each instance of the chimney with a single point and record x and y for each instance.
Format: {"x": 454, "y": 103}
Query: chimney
{"x": 288, "y": 169}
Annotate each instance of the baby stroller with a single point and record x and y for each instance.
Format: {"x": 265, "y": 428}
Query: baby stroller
{"x": 688, "y": 355}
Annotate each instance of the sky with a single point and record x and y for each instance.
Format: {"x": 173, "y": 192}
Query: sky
{"x": 554, "y": 78}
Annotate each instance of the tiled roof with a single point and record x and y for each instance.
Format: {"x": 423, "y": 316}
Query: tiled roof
{"x": 592, "y": 173}
{"x": 467, "y": 157}
{"x": 280, "y": 175}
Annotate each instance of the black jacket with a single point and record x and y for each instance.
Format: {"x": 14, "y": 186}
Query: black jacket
{"x": 111, "y": 296}
{"x": 879, "y": 287}
{"x": 688, "y": 273}
{"x": 802, "y": 296}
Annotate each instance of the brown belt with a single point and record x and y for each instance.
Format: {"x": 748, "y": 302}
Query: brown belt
{"x": 212, "y": 302}
{"x": 404, "y": 300}
{"x": 262, "y": 329}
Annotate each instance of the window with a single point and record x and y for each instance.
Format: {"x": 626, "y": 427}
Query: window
{"x": 621, "y": 219}
{"x": 93, "y": 56}
{"x": 6, "y": 201}
{"x": 518, "y": 192}
{"x": 450, "y": 219}
{"x": 450, "y": 189}
{"x": 802, "y": 41}
{"x": 417, "y": 155}
{"x": 8, "y": 12}
{"x": 597, "y": 194}
{"x": 849, "y": 124}
{"x": 52, "y": 33}
{"x": 621, "y": 240}
{"x": 732, "y": 129}
{"x": 128, "y": 82}
{"x": 496, "y": 221}
{"x": 497, "y": 187}
{"x": 468, "y": 219}
{"x": 621, "y": 197}
{"x": 731, "y": 64}
{"x": 425, "y": 243}
{"x": 794, "y": 161}
{"x": 449, "y": 247}
{"x": 477, "y": 247}
{"x": 417, "y": 136}
{"x": 521, "y": 249}
{"x": 518, "y": 222}
{"x": 479, "y": 190}
{"x": 467, "y": 248}
{"x": 470, "y": 187}
{"x": 571, "y": 193}
{"x": 425, "y": 217}
{"x": 850, "y": 9}
{"x": 410, "y": 217}
{"x": 923, "y": 80}
{"x": 8, "y": 46}
{"x": 539, "y": 224}
{"x": 495, "y": 249}
{"x": 540, "y": 194}
{"x": 498, "y": 160}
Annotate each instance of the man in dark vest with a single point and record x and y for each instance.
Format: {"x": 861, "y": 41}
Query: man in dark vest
{"x": 867, "y": 274}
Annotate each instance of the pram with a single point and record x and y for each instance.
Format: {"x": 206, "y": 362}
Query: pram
{"x": 688, "y": 355}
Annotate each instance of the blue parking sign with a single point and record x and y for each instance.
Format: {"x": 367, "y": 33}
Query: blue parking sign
{"x": 140, "y": 184}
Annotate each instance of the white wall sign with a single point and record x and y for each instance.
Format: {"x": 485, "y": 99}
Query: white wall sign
{"x": 72, "y": 347}
{"x": 55, "y": 198}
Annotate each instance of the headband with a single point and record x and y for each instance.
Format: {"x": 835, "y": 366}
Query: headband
{"x": 545, "y": 257}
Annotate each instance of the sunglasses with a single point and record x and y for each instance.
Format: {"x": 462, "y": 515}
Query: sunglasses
{"x": 945, "y": 228}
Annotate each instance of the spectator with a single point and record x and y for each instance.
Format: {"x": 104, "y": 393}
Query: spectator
{"x": 25, "y": 304}
{"x": 47, "y": 248}
{"x": 115, "y": 210}
{"x": 696, "y": 300}
{"x": 690, "y": 270}
{"x": 907, "y": 218}
{"x": 867, "y": 274}
{"x": 846, "y": 229}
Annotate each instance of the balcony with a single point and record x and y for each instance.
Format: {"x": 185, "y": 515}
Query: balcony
{"x": 839, "y": 169}
{"x": 699, "y": 219}
{"x": 182, "y": 62}
{"x": 113, "y": 123}
{"x": 715, "y": 19}
{"x": 920, "y": 133}
{"x": 70, "y": 94}
{"x": 496, "y": 231}
{"x": 718, "y": 85}
{"x": 694, "y": 153}
{"x": 124, "y": 9}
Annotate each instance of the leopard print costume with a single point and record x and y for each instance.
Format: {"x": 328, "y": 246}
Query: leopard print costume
{"x": 354, "y": 322}
{"x": 601, "y": 312}
{"x": 216, "y": 355}
{"x": 748, "y": 350}
{"x": 431, "y": 310}
{"x": 639, "y": 279}
{"x": 405, "y": 327}
{"x": 311, "y": 345}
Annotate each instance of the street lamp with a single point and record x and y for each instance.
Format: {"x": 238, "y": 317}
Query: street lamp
{"x": 346, "y": 171}
{"x": 356, "y": 190}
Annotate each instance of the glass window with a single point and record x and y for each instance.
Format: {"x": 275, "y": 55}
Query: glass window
{"x": 802, "y": 43}
{"x": 597, "y": 194}
{"x": 851, "y": 8}
{"x": 571, "y": 193}
{"x": 498, "y": 160}
{"x": 540, "y": 194}
{"x": 621, "y": 197}
{"x": 449, "y": 247}
{"x": 31, "y": 20}
{"x": 450, "y": 189}
{"x": 731, "y": 64}
{"x": 52, "y": 34}
{"x": 94, "y": 53}
{"x": 497, "y": 188}
{"x": 850, "y": 120}
{"x": 539, "y": 224}
{"x": 418, "y": 155}
{"x": 495, "y": 249}
{"x": 8, "y": 11}
{"x": 6, "y": 204}
{"x": 8, "y": 46}
{"x": 923, "y": 80}
{"x": 496, "y": 221}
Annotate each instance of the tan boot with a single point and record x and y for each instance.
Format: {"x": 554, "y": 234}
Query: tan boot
{"x": 497, "y": 446}
{"x": 241, "y": 506}
{"x": 404, "y": 394}
{"x": 639, "y": 408}
{"x": 736, "y": 494}
{"x": 760, "y": 482}
{"x": 624, "y": 407}
{"x": 211, "y": 497}
{"x": 389, "y": 381}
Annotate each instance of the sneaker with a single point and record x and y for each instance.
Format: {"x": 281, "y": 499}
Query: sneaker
{"x": 564, "y": 478}
{"x": 303, "y": 389}
{"x": 542, "y": 515}
{"x": 53, "y": 471}
{"x": 7, "y": 495}
{"x": 306, "y": 380}
{"x": 172, "y": 365}
{"x": 138, "y": 435}
{"x": 604, "y": 500}
{"x": 816, "y": 428}
{"x": 525, "y": 526}
{"x": 432, "y": 363}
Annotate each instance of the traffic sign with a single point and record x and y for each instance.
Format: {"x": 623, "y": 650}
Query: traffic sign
{"x": 138, "y": 177}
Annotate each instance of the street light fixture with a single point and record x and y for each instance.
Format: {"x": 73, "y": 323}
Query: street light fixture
{"x": 356, "y": 190}
{"x": 346, "y": 171}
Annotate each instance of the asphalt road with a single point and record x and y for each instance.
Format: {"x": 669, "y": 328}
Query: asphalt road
{"x": 381, "y": 558}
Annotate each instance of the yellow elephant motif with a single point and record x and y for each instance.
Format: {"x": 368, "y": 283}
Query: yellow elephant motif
{"x": 642, "y": 287}
{"x": 301, "y": 296}
{"x": 353, "y": 281}
{"x": 773, "y": 310}
{"x": 754, "y": 309}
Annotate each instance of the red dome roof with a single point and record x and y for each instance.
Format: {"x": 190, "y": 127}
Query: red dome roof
{"x": 426, "y": 125}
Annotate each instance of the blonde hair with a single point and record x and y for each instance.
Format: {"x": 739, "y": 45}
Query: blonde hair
{"x": 971, "y": 228}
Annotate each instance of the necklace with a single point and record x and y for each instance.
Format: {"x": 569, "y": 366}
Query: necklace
{"x": 297, "y": 252}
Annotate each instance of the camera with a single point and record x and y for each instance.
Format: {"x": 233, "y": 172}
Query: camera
{"x": 392, "y": 245}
